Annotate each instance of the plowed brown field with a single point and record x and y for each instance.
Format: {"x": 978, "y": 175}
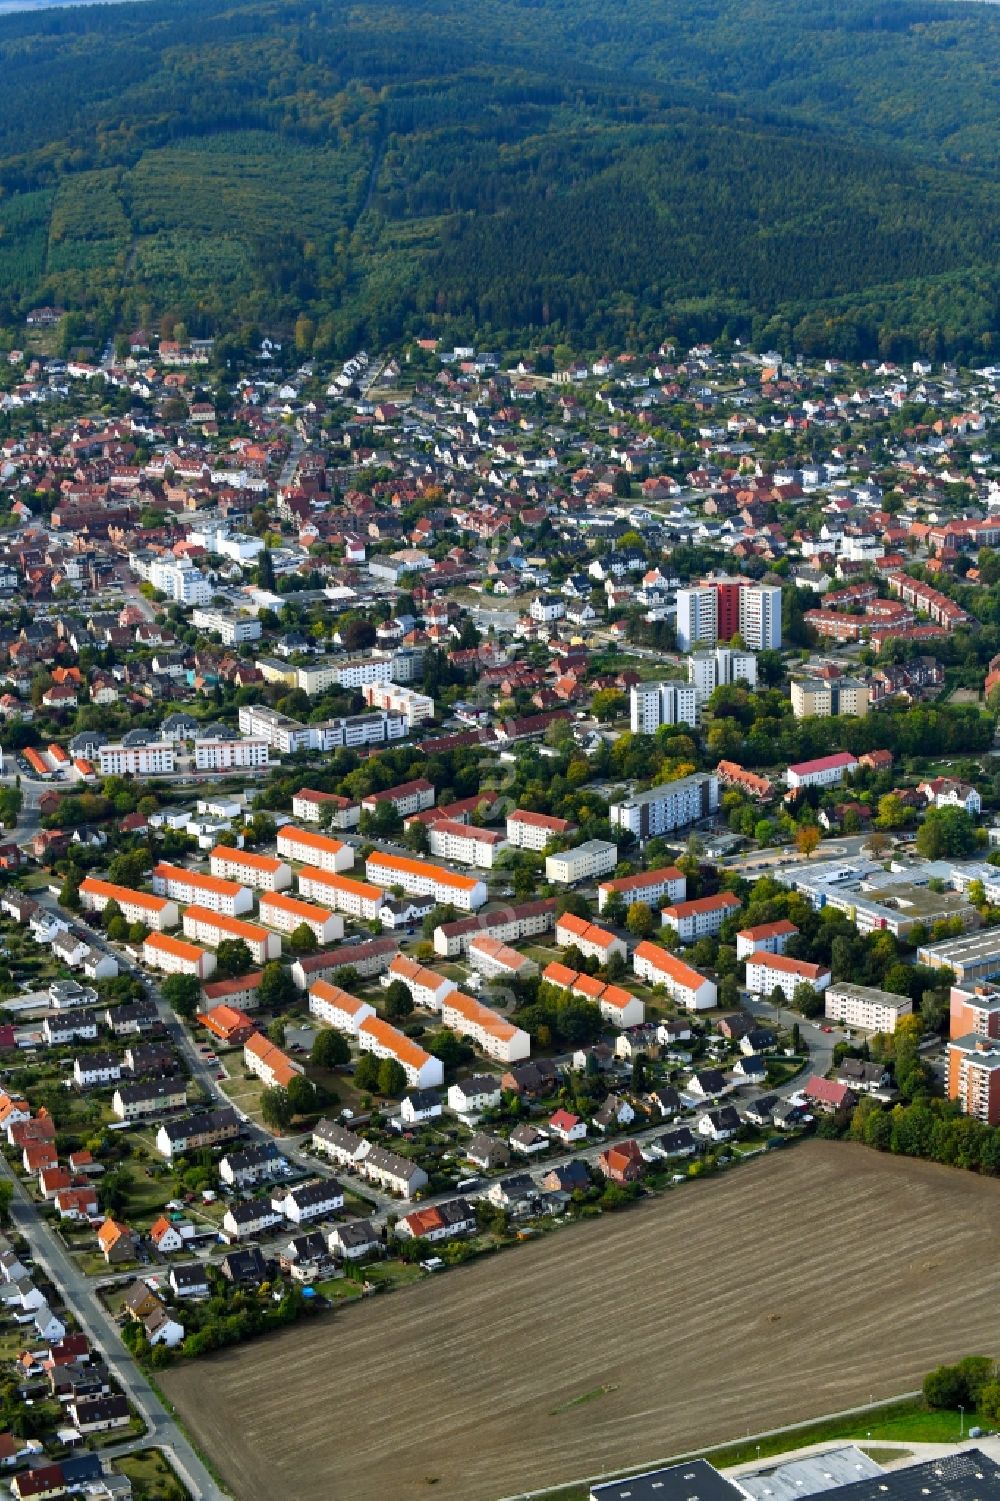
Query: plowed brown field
{"x": 792, "y": 1287}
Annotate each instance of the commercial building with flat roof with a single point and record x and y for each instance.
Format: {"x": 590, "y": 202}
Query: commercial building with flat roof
{"x": 974, "y": 956}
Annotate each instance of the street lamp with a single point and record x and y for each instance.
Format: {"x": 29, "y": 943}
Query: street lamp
{"x": 961, "y": 1431}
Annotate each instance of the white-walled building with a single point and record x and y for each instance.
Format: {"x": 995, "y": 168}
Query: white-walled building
{"x": 864, "y": 1007}
{"x": 486, "y": 1029}
{"x": 708, "y": 670}
{"x": 416, "y": 707}
{"x": 336, "y": 1008}
{"x": 584, "y": 862}
{"x": 649, "y": 886}
{"x": 420, "y": 878}
{"x": 263, "y": 872}
{"x": 700, "y": 918}
{"x": 697, "y": 618}
{"x": 188, "y": 886}
{"x": 230, "y": 755}
{"x": 135, "y": 760}
{"x": 654, "y": 704}
{"x": 825, "y": 771}
{"x": 672, "y": 805}
{"x": 532, "y": 831}
{"x": 341, "y": 893}
{"x": 422, "y": 1069}
{"x": 767, "y": 972}
{"x": 233, "y": 628}
{"x": 313, "y": 807}
{"x": 213, "y": 928}
{"x": 426, "y": 986}
{"x": 286, "y": 913}
{"x": 156, "y": 912}
{"x": 760, "y": 616}
{"x": 768, "y": 937}
{"x": 465, "y": 843}
{"x": 175, "y": 957}
{"x": 315, "y": 849}
{"x": 683, "y": 984}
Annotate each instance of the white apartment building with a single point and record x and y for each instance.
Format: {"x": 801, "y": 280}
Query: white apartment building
{"x": 229, "y": 755}
{"x": 232, "y": 628}
{"x": 465, "y": 843}
{"x": 206, "y": 926}
{"x": 864, "y": 1007}
{"x": 653, "y": 704}
{"x": 180, "y": 581}
{"x": 175, "y": 957}
{"x": 825, "y": 771}
{"x": 670, "y": 806}
{"x": 426, "y": 986}
{"x": 341, "y": 893}
{"x": 697, "y": 618}
{"x": 310, "y": 848}
{"x": 416, "y": 707}
{"x": 343, "y": 672}
{"x": 486, "y": 1029}
{"x": 407, "y": 797}
{"x": 420, "y": 878}
{"x": 508, "y": 924}
{"x": 769, "y": 937}
{"x": 532, "y": 831}
{"x": 683, "y": 984}
{"x": 649, "y": 886}
{"x": 422, "y": 1070}
{"x": 263, "y": 872}
{"x": 135, "y": 760}
{"x": 700, "y": 918}
{"x": 765, "y": 972}
{"x": 289, "y": 735}
{"x": 188, "y": 886}
{"x": 584, "y": 863}
{"x": 286, "y": 913}
{"x": 312, "y": 807}
{"x": 708, "y": 670}
{"x": 760, "y": 617}
{"x": 155, "y": 912}
{"x": 335, "y": 1008}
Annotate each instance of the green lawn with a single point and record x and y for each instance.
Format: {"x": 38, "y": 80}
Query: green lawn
{"x": 151, "y": 1476}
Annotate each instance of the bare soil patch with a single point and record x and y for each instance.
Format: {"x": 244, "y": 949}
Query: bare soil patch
{"x": 800, "y": 1285}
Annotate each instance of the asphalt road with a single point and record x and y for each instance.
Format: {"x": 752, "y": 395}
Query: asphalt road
{"x": 81, "y": 1296}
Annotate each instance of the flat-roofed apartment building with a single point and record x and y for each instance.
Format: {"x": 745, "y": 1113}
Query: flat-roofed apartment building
{"x": 187, "y": 886}
{"x": 865, "y": 1007}
{"x": 974, "y": 1076}
{"x": 310, "y": 848}
{"x": 213, "y": 928}
{"x": 584, "y": 862}
{"x": 135, "y": 760}
{"x": 674, "y": 805}
{"x": 263, "y": 872}
{"x": 156, "y": 912}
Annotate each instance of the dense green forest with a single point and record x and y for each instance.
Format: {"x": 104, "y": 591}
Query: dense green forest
{"x": 817, "y": 177}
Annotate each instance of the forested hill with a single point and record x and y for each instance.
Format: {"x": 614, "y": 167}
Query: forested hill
{"x": 803, "y": 173}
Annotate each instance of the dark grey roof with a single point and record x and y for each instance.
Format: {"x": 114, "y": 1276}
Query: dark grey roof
{"x": 694, "y": 1481}
{"x": 967, "y": 1476}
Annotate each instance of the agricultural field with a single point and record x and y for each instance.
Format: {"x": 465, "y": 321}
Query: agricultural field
{"x": 807, "y": 1283}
